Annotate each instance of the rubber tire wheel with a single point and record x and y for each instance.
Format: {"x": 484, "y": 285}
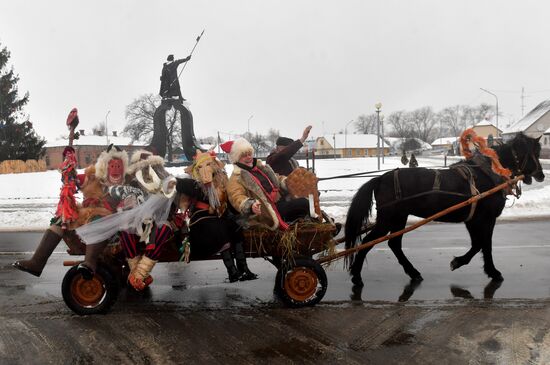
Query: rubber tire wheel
{"x": 103, "y": 281}
{"x": 307, "y": 264}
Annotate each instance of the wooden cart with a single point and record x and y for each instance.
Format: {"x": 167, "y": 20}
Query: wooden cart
{"x": 300, "y": 280}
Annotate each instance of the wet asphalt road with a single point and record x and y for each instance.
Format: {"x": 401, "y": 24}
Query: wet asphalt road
{"x": 191, "y": 314}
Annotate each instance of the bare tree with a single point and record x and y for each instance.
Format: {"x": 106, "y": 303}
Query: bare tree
{"x": 272, "y": 136}
{"x": 452, "y": 121}
{"x": 423, "y": 122}
{"x": 259, "y": 143}
{"x": 400, "y": 126}
{"x": 366, "y": 123}
{"x": 99, "y": 129}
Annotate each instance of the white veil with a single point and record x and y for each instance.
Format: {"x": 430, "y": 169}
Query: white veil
{"x": 155, "y": 209}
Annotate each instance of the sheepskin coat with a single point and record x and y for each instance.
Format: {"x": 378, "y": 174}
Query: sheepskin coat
{"x": 243, "y": 190}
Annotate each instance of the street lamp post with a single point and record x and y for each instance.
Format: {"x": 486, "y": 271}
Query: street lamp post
{"x": 488, "y": 92}
{"x": 106, "y": 130}
{"x": 346, "y": 136}
{"x": 382, "y": 127}
{"x": 248, "y": 123}
{"x": 378, "y": 106}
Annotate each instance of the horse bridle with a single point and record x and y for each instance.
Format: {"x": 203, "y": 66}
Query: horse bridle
{"x": 518, "y": 170}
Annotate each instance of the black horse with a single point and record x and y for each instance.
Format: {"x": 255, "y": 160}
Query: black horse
{"x": 424, "y": 192}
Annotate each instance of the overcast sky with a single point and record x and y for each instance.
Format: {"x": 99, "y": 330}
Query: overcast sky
{"x": 286, "y": 63}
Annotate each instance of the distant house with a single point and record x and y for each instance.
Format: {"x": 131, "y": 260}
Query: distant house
{"x": 87, "y": 148}
{"x": 545, "y": 144}
{"x": 486, "y": 129}
{"x": 444, "y": 143}
{"x": 534, "y": 124}
{"x": 350, "y": 145}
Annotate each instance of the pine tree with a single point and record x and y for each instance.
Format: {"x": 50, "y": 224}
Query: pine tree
{"x": 18, "y": 140}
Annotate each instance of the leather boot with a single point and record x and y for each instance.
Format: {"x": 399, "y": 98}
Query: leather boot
{"x": 35, "y": 265}
{"x": 88, "y": 267}
{"x": 232, "y": 270}
{"x": 240, "y": 258}
{"x": 140, "y": 278}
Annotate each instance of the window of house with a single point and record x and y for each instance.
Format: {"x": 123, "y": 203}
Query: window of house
{"x": 88, "y": 159}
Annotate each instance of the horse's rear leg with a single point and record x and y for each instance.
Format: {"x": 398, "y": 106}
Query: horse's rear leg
{"x": 359, "y": 258}
{"x": 398, "y": 223}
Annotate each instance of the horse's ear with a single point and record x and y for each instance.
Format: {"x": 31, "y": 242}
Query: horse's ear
{"x": 538, "y": 139}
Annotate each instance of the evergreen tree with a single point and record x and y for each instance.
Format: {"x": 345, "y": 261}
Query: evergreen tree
{"x": 18, "y": 140}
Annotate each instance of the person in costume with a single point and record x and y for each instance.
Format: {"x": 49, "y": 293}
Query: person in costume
{"x": 66, "y": 208}
{"x": 153, "y": 179}
{"x": 169, "y": 81}
{"x": 413, "y": 162}
{"x": 256, "y": 192}
{"x": 109, "y": 170}
{"x": 212, "y": 227}
{"x": 281, "y": 158}
{"x": 146, "y": 221}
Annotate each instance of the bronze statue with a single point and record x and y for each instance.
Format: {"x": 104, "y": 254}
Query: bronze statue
{"x": 169, "y": 80}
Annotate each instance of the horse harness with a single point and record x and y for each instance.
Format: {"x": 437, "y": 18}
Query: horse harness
{"x": 464, "y": 170}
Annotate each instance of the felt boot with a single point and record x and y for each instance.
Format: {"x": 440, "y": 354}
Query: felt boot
{"x": 240, "y": 258}
{"x": 140, "y": 277}
{"x": 232, "y": 270}
{"x": 35, "y": 265}
{"x": 89, "y": 266}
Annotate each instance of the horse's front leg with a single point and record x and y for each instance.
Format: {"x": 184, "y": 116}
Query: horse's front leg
{"x": 481, "y": 232}
{"x": 465, "y": 259}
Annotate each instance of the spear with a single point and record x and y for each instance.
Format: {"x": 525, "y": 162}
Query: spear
{"x": 191, "y": 53}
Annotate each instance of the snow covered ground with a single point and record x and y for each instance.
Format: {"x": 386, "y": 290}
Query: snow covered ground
{"x": 28, "y": 201}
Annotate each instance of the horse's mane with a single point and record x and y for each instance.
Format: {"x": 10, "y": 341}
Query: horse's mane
{"x": 470, "y": 142}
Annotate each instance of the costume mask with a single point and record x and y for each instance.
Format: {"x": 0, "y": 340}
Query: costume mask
{"x": 115, "y": 171}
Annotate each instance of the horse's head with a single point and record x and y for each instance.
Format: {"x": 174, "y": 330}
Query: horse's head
{"x": 526, "y": 154}
{"x": 205, "y": 167}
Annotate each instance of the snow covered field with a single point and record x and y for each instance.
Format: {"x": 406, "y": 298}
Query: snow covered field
{"x": 28, "y": 201}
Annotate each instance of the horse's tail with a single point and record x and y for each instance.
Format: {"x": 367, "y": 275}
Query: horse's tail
{"x": 359, "y": 211}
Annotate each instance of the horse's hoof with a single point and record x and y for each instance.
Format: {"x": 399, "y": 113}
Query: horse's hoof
{"x": 454, "y": 264}
{"x": 497, "y": 277}
{"x": 357, "y": 281}
{"x": 417, "y": 278}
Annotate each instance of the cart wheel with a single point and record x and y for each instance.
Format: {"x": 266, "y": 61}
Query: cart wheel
{"x": 93, "y": 296}
{"x": 302, "y": 284}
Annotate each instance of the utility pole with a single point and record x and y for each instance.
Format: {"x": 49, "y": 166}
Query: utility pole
{"x": 378, "y": 106}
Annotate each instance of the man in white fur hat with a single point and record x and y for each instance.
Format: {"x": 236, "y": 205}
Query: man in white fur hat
{"x": 255, "y": 191}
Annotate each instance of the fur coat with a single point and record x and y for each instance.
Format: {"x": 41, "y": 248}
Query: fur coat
{"x": 242, "y": 191}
